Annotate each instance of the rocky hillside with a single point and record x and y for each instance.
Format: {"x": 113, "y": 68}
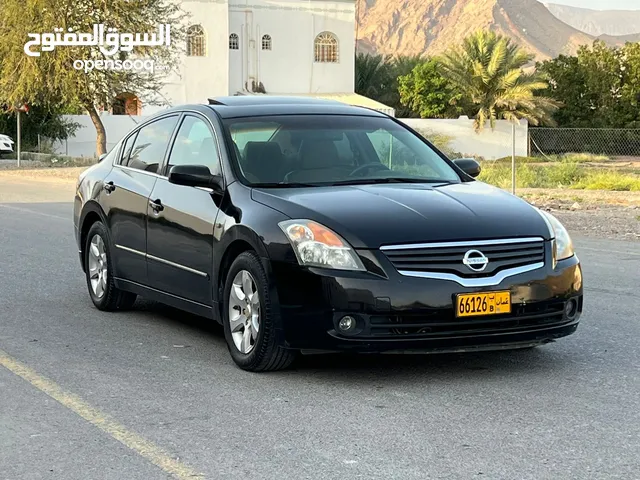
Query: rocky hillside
{"x": 596, "y": 22}
{"x": 410, "y": 27}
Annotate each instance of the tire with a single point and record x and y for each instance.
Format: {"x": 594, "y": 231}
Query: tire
{"x": 256, "y": 344}
{"x": 102, "y": 290}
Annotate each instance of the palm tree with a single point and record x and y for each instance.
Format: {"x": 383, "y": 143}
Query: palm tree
{"x": 377, "y": 78}
{"x": 488, "y": 69}
{"x": 374, "y": 76}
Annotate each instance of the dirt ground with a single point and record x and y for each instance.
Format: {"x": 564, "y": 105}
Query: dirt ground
{"x": 601, "y": 214}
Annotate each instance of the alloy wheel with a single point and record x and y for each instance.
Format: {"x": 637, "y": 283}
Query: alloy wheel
{"x": 98, "y": 266}
{"x": 244, "y": 312}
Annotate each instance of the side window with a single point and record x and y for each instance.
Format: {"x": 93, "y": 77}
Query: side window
{"x": 126, "y": 150}
{"x": 195, "y": 145}
{"x": 151, "y": 144}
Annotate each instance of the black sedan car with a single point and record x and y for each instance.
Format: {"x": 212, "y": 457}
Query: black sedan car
{"x": 307, "y": 226}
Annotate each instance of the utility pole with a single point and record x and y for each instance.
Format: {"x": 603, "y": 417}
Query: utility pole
{"x": 19, "y": 109}
{"x": 18, "y": 140}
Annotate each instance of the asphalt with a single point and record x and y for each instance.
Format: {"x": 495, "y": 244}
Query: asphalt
{"x": 568, "y": 410}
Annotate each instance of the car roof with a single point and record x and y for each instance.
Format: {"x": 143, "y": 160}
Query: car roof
{"x": 248, "y": 100}
{"x": 258, "y": 105}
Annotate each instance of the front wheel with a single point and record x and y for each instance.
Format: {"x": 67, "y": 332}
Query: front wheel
{"x": 250, "y": 327}
{"x": 98, "y": 265}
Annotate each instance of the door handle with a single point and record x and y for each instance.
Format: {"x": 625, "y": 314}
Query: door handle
{"x": 156, "y": 205}
{"x": 109, "y": 187}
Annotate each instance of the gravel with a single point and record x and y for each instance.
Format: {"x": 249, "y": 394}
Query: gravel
{"x": 604, "y": 222}
{"x": 602, "y": 215}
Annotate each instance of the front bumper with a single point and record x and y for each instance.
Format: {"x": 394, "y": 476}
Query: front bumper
{"x": 400, "y": 313}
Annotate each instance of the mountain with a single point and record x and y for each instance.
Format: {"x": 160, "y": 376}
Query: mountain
{"x": 597, "y": 22}
{"x": 410, "y": 27}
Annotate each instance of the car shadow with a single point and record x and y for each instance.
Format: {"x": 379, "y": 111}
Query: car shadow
{"x": 338, "y": 367}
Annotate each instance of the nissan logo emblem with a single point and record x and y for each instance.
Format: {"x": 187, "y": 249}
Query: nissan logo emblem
{"x": 475, "y": 260}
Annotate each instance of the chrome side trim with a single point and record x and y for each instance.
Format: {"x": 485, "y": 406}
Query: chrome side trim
{"x": 497, "y": 279}
{"x": 137, "y": 170}
{"x": 162, "y": 260}
{"x": 462, "y": 244}
{"x": 131, "y": 250}
{"x": 177, "y": 265}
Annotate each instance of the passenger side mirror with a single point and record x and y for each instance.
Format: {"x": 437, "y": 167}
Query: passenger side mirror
{"x": 196, "y": 176}
{"x": 468, "y": 166}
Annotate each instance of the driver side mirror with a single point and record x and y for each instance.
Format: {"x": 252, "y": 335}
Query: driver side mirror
{"x": 469, "y": 166}
{"x": 196, "y": 176}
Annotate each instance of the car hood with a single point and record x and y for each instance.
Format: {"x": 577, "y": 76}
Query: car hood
{"x": 368, "y": 216}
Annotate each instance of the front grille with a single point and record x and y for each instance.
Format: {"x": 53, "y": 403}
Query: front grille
{"x": 448, "y": 258}
{"x": 442, "y": 324}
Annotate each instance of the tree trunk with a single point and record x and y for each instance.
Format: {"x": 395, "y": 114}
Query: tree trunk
{"x": 101, "y": 134}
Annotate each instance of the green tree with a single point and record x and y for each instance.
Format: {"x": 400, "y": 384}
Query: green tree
{"x": 376, "y": 77}
{"x": 51, "y": 79}
{"x": 42, "y": 120}
{"x": 631, "y": 84}
{"x": 599, "y": 87}
{"x": 402, "y": 66}
{"x": 489, "y": 71}
{"x": 426, "y": 92}
{"x": 567, "y": 84}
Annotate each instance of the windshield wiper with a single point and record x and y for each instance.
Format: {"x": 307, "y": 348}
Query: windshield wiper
{"x": 366, "y": 181}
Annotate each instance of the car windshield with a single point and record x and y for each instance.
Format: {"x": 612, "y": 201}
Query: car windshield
{"x": 320, "y": 150}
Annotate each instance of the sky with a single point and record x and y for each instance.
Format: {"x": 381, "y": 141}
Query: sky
{"x": 600, "y": 4}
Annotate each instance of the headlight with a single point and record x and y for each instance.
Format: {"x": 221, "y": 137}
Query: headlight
{"x": 317, "y": 246}
{"x": 563, "y": 246}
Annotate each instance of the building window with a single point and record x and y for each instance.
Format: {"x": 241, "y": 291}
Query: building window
{"x": 126, "y": 104}
{"x": 326, "y": 48}
{"x": 234, "y": 42}
{"x": 196, "y": 41}
{"x": 266, "y": 42}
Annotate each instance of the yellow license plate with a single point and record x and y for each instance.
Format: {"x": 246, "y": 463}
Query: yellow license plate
{"x": 478, "y": 304}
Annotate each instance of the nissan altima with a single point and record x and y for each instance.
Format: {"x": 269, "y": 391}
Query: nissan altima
{"x": 311, "y": 226}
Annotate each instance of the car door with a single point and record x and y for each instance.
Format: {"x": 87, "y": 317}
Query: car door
{"x": 181, "y": 218}
{"x": 126, "y": 195}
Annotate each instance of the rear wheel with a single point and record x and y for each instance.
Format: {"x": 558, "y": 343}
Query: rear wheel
{"x": 250, "y": 326}
{"x": 98, "y": 265}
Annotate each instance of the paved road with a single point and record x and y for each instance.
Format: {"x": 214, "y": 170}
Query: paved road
{"x": 152, "y": 393}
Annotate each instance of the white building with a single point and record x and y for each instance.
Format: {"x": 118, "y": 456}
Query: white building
{"x": 273, "y": 47}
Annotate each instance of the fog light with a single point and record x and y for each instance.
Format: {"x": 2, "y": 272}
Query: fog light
{"x": 347, "y": 324}
{"x": 571, "y": 308}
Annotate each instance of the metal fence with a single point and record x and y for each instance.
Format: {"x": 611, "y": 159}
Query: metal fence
{"x": 611, "y": 142}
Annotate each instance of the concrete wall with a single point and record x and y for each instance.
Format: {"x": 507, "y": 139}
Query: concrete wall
{"x": 463, "y": 139}
{"x": 490, "y": 144}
